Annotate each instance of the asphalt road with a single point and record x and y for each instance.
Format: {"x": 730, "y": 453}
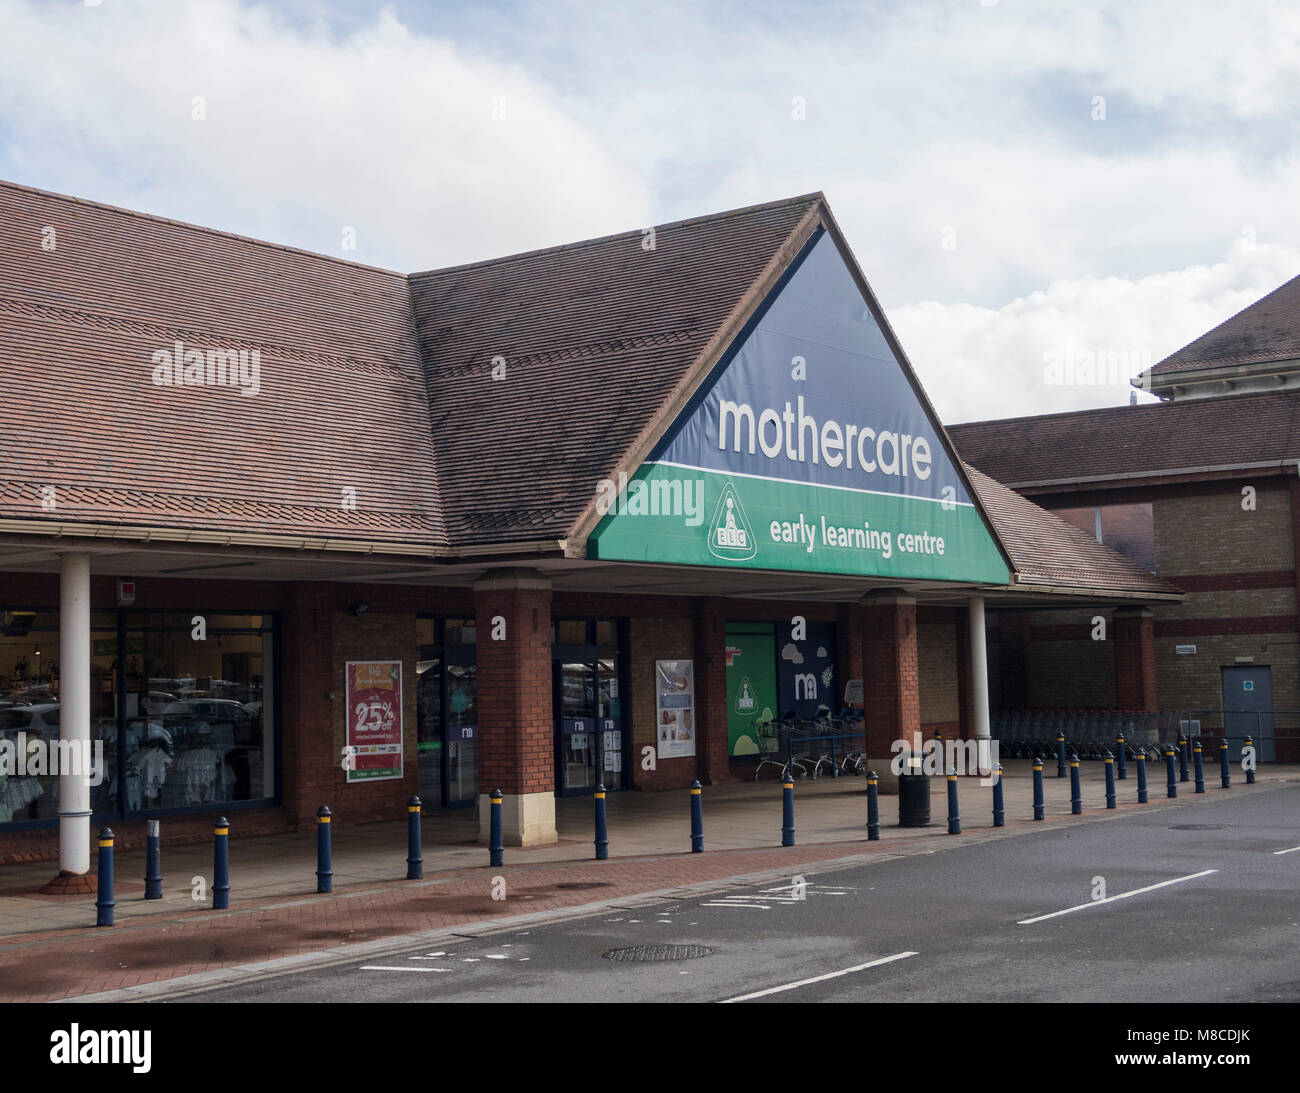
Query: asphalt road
{"x": 957, "y": 925}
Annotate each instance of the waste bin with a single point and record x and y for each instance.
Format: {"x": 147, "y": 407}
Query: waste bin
{"x": 913, "y": 800}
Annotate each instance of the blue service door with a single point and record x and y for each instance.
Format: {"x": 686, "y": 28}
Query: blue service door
{"x": 1248, "y": 710}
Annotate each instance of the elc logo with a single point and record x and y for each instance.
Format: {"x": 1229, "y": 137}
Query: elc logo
{"x": 730, "y": 536}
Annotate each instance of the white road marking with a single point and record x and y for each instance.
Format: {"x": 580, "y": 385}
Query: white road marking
{"x": 821, "y": 978}
{"x": 496, "y": 956}
{"x": 1291, "y": 851}
{"x": 1112, "y": 899}
{"x": 388, "y": 968}
{"x": 759, "y": 906}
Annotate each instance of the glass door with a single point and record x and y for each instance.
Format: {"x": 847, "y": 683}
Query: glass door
{"x": 577, "y": 744}
{"x": 428, "y": 747}
{"x": 462, "y": 724}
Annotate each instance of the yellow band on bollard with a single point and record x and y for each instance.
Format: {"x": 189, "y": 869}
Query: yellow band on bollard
{"x": 105, "y": 842}
{"x": 221, "y": 831}
{"x": 696, "y": 792}
{"x": 871, "y": 781}
{"x": 323, "y": 819}
{"x": 787, "y": 785}
{"x": 1074, "y": 762}
{"x": 409, "y": 808}
{"x": 600, "y": 795}
{"x": 1110, "y": 759}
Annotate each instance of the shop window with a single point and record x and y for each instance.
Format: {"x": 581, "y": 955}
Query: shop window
{"x": 198, "y": 710}
{"x": 181, "y": 710}
{"x": 29, "y": 710}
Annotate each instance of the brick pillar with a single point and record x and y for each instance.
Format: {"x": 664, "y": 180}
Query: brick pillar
{"x": 516, "y": 743}
{"x": 1135, "y": 658}
{"x": 312, "y": 740}
{"x": 893, "y": 698}
{"x": 848, "y": 648}
{"x": 712, "y": 763}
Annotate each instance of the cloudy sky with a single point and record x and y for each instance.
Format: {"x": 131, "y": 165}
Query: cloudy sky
{"x": 1021, "y": 181}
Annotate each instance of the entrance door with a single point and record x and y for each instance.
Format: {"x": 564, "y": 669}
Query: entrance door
{"x": 1248, "y": 709}
{"x": 586, "y": 659}
{"x": 428, "y": 722}
{"x": 461, "y": 715}
{"x": 577, "y": 742}
{"x": 751, "y": 686}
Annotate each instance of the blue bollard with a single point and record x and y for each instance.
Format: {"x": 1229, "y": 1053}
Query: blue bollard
{"x": 104, "y": 902}
{"x": 496, "y": 846}
{"x": 1142, "y": 777}
{"x": 1184, "y": 758}
{"x": 999, "y": 813}
{"x": 1225, "y": 772}
{"x": 602, "y": 835}
{"x": 152, "y": 860}
{"x": 1248, "y": 755}
{"x": 1110, "y": 780}
{"x": 1172, "y": 789}
{"x": 414, "y": 851}
{"x": 221, "y": 865}
{"x": 954, "y": 819}
{"x": 324, "y": 865}
{"x": 873, "y": 807}
{"x": 1039, "y": 806}
{"x": 1121, "y": 759}
{"x": 697, "y": 817}
{"x": 1200, "y": 767}
{"x": 787, "y": 810}
{"x": 1076, "y": 794}
{"x": 1060, "y": 755}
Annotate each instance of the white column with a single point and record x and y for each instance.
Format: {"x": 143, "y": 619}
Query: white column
{"x": 979, "y": 679}
{"x": 74, "y": 712}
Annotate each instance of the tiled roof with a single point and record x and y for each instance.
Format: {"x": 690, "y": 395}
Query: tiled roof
{"x": 1115, "y": 441}
{"x": 594, "y": 337}
{"x": 1048, "y": 551}
{"x": 1268, "y": 330}
{"x": 341, "y": 405}
{"x": 478, "y": 405}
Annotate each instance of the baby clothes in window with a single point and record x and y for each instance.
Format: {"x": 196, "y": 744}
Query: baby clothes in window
{"x": 150, "y": 765}
{"x": 198, "y": 767}
{"x": 17, "y": 793}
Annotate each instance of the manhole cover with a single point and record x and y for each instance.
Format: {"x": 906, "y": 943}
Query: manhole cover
{"x": 586, "y": 884}
{"x": 643, "y": 953}
{"x": 1198, "y": 827}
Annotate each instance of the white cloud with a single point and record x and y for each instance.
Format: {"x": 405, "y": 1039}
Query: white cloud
{"x": 386, "y": 131}
{"x": 978, "y": 363}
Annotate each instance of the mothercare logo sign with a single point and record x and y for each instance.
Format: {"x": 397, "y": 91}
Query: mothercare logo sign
{"x": 813, "y": 452}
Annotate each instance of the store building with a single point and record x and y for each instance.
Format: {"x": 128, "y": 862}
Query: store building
{"x": 287, "y": 530}
{"x": 1202, "y": 489}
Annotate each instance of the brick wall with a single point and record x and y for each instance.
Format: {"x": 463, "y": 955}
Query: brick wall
{"x": 650, "y": 640}
{"x": 939, "y": 671}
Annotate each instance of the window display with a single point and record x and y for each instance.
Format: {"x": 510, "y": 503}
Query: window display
{"x": 181, "y": 708}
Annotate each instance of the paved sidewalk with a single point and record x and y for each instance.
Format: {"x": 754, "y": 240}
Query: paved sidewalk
{"x": 49, "y": 948}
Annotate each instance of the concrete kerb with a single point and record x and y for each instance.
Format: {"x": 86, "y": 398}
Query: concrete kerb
{"x": 348, "y": 953}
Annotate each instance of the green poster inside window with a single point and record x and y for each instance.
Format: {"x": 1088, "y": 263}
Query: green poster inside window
{"x": 751, "y": 686}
